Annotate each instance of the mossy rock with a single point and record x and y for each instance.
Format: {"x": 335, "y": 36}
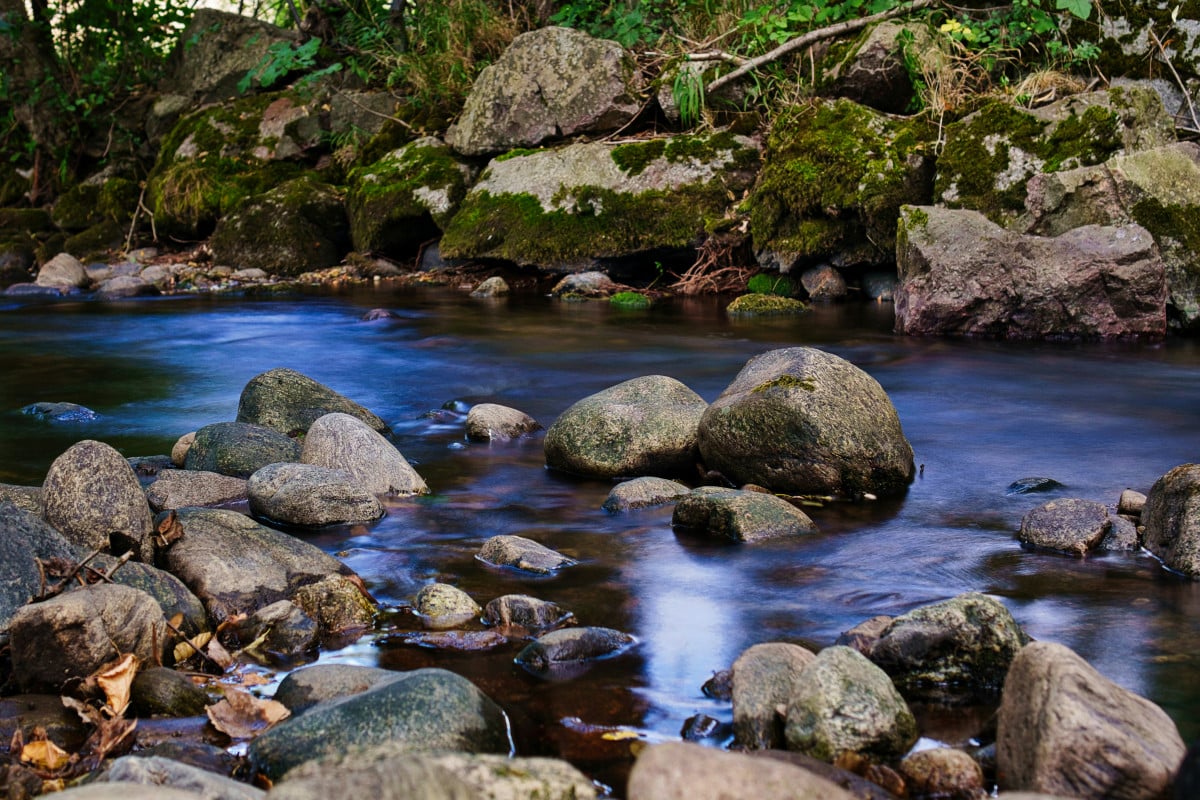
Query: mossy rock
{"x": 764, "y": 305}
{"x": 834, "y": 177}
{"x": 96, "y": 242}
{"x": 991, "y": 154}
{"x": 22, "y": 221}
{"x": 405, "y": 197}
{"x": 564, "y": 208}
{"x": 297, "y": 227}
{"x": 633, "y": 301}
{"x": 214, "y": 159}
{"x": 13, "y": 185}
{"x": 1121, "y": 30}
{"x": 78, "y": 208}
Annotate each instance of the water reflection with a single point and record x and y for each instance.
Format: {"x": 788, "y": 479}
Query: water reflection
{"x": 979, "y": 415}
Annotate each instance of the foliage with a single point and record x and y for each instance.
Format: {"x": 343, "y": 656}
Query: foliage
{"x": 283, "y": 58}
{"x": 762, "y": 283}
{"x": 630, "y": 23}
{"x": 629, "y": 300}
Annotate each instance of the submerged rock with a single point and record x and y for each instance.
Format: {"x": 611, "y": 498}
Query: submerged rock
{"x": 833, "y": 428}
{"x": 742, "y": 516}
{"x": 643, "y": 492}
{"x": 1065, "y": 729}
{"x": 310, "y": 496}
{"x": 60, "y": 412}
{"x": 523, "y": 554}
{"x": 238, "y": 449}
{"x": 568, "y": 645}
{"x": 442, "y": 607}
{"x": 1032, "y": 484}
{"x": 488, "y": 422}
{"x": 523, "y": 611}
{"x": 344, "y": 442}
{"x": 644, "y": 426}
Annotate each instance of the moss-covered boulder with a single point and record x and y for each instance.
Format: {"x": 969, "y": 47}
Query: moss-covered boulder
{"x": 644, "y": 426}
{"x": 565, "y": 208}
{"x": 873, "y": 70}
{"x": 297, "y": 227}
{"x": 739, "y": 515}
{"x": 834, "y": 176}
{"x": 290, "y": 402}
{"x": 239, "y": 449}
{"x": 990, "y": 155}
{"x": 1122, "y": 32}
{"x": 950, "y": 649}
{"x": 803, "y": 421}
{"x": 549, "y": 83}
{"x": 405, "y": 198}
{"x": 765, "y": 305}
{"x": 215, "y": 158}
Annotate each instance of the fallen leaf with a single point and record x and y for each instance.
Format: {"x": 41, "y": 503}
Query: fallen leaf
{"x": 254, "y": 679}
{"x": 86, "y": 713}
{"x": 186, "y": 649}
{"x": 116, "y": 680}
{"x": 169, "y": 531}
{"x": 45, "y": 754}
{"x": 241, "y": 715}
{"x": 620, "y": 735}
{"x": 219, "y": 655}
{"x": 112, "y": 737}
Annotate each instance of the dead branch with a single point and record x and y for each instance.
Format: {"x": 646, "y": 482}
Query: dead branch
{"x": 804, "y": 40}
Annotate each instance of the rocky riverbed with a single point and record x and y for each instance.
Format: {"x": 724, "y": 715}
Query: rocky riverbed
{"x": 159, "y": 586}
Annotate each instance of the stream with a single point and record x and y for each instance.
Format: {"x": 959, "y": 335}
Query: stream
{"x": 1097, "y": 417}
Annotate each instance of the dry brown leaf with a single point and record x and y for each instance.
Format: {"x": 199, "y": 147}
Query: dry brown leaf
{"x": 116, "y": 679}
{"x": 191, "y": 647}
{"x": 254, "y": 679}
{"x": 169, "y": 531}
{"x": 112, "y": 737}
{"x": 241, "y": 715}
{"x": 176, "y": 620}
{"x": 219, "y": 655}
{"x": 45, "y": 754}
{"x": 89, "y": 715}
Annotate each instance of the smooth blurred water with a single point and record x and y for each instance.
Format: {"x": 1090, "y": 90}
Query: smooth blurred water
{"x": 1098, "y": 418}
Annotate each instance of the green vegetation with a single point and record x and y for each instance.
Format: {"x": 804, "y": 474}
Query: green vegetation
{"x": 763, "y": 283}
{"x": 786, "y": 381}
{"x": 629, "y": 300}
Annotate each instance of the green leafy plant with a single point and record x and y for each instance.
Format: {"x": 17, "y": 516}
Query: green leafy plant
{"x": 687, "y": 90}
{"x": 762, "y": 283}
{"x": 282, "y": 59}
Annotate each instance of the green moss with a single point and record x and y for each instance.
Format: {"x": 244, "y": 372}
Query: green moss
{"x": 759, "y": 305}
{"x": 77, "y": 208}
{"x": 771, "y": 284}
{"x": 916, "y": 218}
{"x": 1178, "y": 222}
{"x": 786, "y": 381}
{"x": 24, "y": 220}
{"x": 517, "y": 152}
{"x": 634, "y": 157}
{"x": 630, "y": 300}
{"x": 95, "y": 242}
{"x": 118, "y": 199}
{"x": 835, "y": 176}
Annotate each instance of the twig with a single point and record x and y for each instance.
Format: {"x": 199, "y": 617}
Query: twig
{"x": 1182, "y": 87}
{"x": 806, "y": 39}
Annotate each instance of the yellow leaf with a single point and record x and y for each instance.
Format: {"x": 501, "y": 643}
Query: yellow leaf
{"x": 185, "y": 650}
{"x": 45, "y": 754}
{"x": 116, "y": 680}
{"x": 620, "y": 735}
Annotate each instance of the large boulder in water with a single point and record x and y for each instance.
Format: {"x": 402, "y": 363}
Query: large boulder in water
{"x": 92, "y": 496}
{"x": 1064, "y": 729}
{"x": 310, "y": 496}
{"x": 803, "y": 421}
{"x": 341, "y": 441}
{"x": 1171, "y": 517}
{"x": 961, "y": 645}
{"x": 238, "y": 449}
{"x": 424, "y": 710}
{"x": 962, "y": 274}
{"x": 550, "y": 83}
{"x": 290, "y": 403}
{"x": 644, "y": 426}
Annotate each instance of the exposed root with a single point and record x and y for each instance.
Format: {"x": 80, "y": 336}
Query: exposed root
{"x": 717, "y": 269}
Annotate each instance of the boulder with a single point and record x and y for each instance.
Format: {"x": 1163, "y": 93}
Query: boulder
{"x": 305, "y": 688}
{"x": 644, "y": 426}
{"x": 125, "y": 286}
{"x": 842, "y": 703}
{"x": 442, "y": 607}
{"x": 344, "y": 442}
{"x": 1069, "y": 526}
{"x": 127, "y": 791}
{"x": 550, "y": 83}
{"x": 823, "y": 283}
{"x": 990, "y": 155}
{"x": 424, "y": 710}
{"x": 492, "y": 287}
{"x": 1122, "y": 536}
{"x": 290, "y": 403}
{"x": 178, "y": 488}
{"x": 1065, "y": 729}
{"x": 340, "y": 605}
{"x": 685, "y": 771}
{"x": 875, "y": 70}
{"x": 1171, "y": 518}
{"x": 743, "y": 516}
{"x": 26, "y": 498}
{"x": 235, "y": 565}
{"x": 172, "y": 596}
{"x": 833, "y": 428}
{"x": 179, "y": 450}
{"x": 569, "y": 645}
{"x": 93, "y": 498}
{"x": 834, "y": 176}
{"x": 405, "y": 198}
{"x": 943, "y": 772}
{"x": 238, "y": 449}
{"x": 764, "y": 677}
{"x": 523, "y": 611}
{"x": 585, "y": 204}
{"x": 962, "y": 274}
{"x": 643, "y": 492}
{"x": 24, "y": 540}
{"x": 72, "y": 635}
{"x": 962, "y": 645}
{"x": 162, "y": 772}
{"x": 296, "y": 227}
{"x": 309, "y": 496}
{"x": 1131, "y": 503}
{"x": 287, "y": 634}
{"x": 488, "y": 422}
{"x": 764, "y": 305}
{"x": 522, "y": 554}
{"x": 63, "y": 271}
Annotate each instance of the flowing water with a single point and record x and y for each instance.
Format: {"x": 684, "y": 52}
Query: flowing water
{"x": 1098, "y": 418}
